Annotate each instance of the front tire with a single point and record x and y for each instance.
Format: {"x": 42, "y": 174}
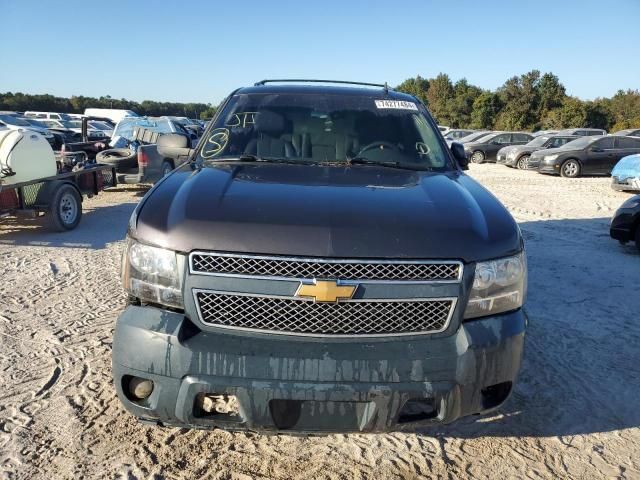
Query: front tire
{"x": 570, "y": 169}
{"x": 477, "y": 157}
{"x": 65, "y": 210}
{"x": 523, "y": 162}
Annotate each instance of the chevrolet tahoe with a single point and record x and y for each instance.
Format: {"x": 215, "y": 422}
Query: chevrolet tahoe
{"x": 321, "y": 264}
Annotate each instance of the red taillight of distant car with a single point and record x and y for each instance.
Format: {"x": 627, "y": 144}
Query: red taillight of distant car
{"x": 143, "y": 158}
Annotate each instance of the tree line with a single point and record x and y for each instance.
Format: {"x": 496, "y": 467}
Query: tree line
{"x": 20, "y": 102}
{"x": 532, "y": 101}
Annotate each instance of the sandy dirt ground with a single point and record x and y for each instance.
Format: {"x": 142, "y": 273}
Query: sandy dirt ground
{"x": 575, "y": 412}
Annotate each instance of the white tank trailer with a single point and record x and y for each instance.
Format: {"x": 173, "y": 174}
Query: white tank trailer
{"x": 25, "y": 156}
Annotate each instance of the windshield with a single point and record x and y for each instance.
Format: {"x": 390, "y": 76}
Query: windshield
{"x": 578, "y": 143}
{"x": 473, "y": 137}
{"x": 126, "y": 125}
{"x": 321, "y": 128}
{"x": 538, "y": 141}
{"x": 11, "y": 120}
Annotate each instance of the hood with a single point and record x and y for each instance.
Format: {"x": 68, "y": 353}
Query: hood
{"x": 507, "y": 149}
{"x": 305, "y": 210}
{"x": 517, "y": 149}
{"x": 555, "y": 151}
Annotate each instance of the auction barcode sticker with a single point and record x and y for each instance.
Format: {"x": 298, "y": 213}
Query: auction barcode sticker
{"x": 402, "y": 105}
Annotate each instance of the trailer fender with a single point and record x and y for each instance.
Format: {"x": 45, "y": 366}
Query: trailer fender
{"x": 48, "y": 190}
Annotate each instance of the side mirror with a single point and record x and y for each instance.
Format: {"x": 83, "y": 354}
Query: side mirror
{"x": 458, "y": 153}
{"x": 174, "y": 145}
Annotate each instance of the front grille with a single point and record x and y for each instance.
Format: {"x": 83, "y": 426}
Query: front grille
{"x": 285, "y": 315}
{"x": 305, "y": 268}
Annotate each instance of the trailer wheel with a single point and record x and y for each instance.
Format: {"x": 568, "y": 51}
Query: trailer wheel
{"x": 65, "y": 210}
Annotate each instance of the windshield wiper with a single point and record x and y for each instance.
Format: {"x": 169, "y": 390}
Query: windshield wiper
{"x": 388, "y": 163}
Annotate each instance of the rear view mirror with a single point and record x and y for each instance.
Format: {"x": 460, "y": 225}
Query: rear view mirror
{"x": 174, "y": 145}
{"x": 458, "y": 153}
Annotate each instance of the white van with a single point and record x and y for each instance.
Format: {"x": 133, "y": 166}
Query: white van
{"x": 113, "y": 114}
{"x": 48, "y": 115}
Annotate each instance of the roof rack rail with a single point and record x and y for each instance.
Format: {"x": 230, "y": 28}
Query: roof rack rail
{"x": 304, "y": 80}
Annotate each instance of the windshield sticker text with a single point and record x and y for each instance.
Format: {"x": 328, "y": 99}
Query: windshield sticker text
{"x": 242, "y": 120}
{"x": 216, "y": 143}
{"x": 396, "y": 104}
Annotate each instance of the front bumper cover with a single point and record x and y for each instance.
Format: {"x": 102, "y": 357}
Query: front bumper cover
{"x": 323, "y": 386}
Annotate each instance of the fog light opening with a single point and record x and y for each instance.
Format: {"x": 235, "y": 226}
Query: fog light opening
{"x": 418, "y": 409}
{"x": 138, "y": 388}
{"x": 219, "y": 405}
{"x": 495, "y": 395}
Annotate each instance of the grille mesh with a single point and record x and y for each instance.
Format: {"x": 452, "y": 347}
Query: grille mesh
{"x": 299, "y": 268}
{"x": 306, "y": 317}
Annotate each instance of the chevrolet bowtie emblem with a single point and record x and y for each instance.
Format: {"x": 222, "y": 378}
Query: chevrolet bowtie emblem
{"x": 326, "y": 291}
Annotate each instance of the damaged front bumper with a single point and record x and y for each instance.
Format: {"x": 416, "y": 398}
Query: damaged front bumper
{"x": 312, "y": 385}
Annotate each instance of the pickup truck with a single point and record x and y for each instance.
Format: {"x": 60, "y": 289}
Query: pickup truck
{"x": 139, "y": 161}
{"x": 321, "y": 264}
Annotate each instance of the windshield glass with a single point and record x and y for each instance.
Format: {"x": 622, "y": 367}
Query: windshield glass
{"x": 538, "y": 141}
{"x": 474, "y": 137}
{"x": 11, "y": 120}
{"x": 321, "y": 128}
{"x": 578, "y": 143}
{"x": 126, "y": 125}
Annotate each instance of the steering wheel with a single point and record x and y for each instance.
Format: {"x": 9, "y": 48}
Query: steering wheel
{"x": 373, "y": 145}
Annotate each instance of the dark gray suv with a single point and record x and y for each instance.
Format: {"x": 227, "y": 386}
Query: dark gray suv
{"x": 321, "y": 264}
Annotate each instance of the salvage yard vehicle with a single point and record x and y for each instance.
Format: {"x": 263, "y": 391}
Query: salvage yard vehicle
{"x": 625, "y": 176}
{"x": 321, "y": 264}
{"x": 13, "y": 122}
{"x": 518, "y": 155}
{"x": 33, "y": 183}
{"x": 139, "y": 161}
{"x": 485, "y": 149}
{"x": 625, "y": 225}
{"x": 585, "y": 156}
{"x": 582, "y": 132}
{"x": 630, "y": 132}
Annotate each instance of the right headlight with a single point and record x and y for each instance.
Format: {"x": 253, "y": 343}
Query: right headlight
{"x": 151, "y": 274}
{"x": 498, "y": 286}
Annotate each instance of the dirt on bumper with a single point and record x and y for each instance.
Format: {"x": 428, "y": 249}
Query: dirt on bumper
{"x": 302, "y": 385}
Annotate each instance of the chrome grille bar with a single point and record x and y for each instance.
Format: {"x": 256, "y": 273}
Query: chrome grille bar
{"x": 209, "y": 263}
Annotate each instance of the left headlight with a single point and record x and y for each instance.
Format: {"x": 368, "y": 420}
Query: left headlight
{"x": 151, "y": 274}
{"x": 498, "y": 286}
{"x": 549, "y": 158}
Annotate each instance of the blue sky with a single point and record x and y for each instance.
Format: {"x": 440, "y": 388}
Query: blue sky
{"x": 200, "y": 50}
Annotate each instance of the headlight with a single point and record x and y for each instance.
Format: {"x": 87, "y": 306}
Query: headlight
{"x": 151, "y": 274}
{"x": 511, "y": 154}
{"x": 548, "y": 158}
{"x": 498, "y": 286}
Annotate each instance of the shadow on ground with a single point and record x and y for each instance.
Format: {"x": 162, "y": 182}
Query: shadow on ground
{"x": 581, "y": 373}
{"x": 99, "y": 227}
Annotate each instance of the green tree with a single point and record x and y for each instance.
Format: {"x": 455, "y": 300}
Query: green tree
{"x": 418, "y": 87}
{"x": 439, "y": 97}
{"x": 485, "y": 110}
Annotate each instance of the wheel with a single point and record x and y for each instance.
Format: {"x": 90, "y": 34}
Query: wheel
{"x": 167, "y": 168}
{"x": 477, "y": 157}
{"x": 65, "y": 210}
{"x": 121, "y": 158}
{"x": 570, "y": 169}
{"x": 523, "y": 162}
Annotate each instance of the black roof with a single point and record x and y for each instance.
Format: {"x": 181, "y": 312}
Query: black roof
{"x": 302, "y": 88}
